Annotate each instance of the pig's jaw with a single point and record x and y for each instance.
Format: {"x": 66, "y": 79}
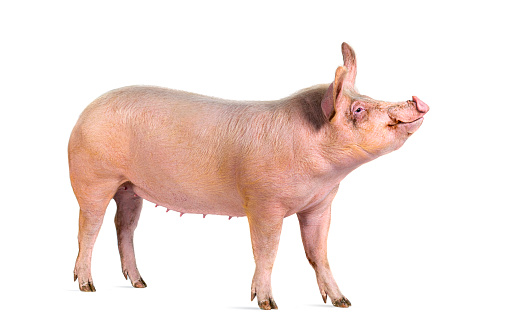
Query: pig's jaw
{"x": 413, "y": 126}
{"x": 349, "y": 158}
{"x": 341, "y": 150}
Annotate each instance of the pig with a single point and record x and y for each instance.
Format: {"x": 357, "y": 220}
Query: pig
{"x": 265, "y": 160}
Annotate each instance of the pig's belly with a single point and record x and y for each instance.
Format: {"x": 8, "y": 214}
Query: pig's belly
{"x": 187, "y": 199}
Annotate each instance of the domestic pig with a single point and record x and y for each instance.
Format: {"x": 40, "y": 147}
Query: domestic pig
{"x": 202, "y": 155}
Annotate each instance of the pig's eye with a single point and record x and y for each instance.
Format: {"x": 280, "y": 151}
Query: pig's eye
{"x": 359, "y": 110}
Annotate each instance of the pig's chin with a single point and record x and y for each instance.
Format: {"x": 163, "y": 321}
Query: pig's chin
{"x": 408, "y": 127}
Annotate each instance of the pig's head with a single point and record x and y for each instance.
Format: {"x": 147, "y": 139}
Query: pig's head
{"x": 362, "y": 124}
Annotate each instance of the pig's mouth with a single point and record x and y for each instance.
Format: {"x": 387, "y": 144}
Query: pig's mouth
{"x": 409, "y": 126}
{"x": 399, "y": 122}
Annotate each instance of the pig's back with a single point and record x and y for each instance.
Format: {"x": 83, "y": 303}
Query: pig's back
{"x": 198, "y": 154}
{"x": 145, "y": 113}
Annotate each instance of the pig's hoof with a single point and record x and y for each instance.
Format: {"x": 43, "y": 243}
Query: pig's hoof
{"x": 87, "y": 286}
{"x": 343, "y": 302}
{"x": 268, "y": 304}
{"x": 140, "y": 283}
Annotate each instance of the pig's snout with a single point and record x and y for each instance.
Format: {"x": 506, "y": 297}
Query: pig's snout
{"x": 408, "y": 117}
{"x": 420, "y": 106}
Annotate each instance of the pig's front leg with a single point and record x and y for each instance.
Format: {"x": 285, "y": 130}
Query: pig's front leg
{"x": 314, "y": 226}
{"x": 265, "y": 229}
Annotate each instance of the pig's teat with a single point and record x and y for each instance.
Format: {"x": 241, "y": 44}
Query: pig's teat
{"x": 420, "y": 106}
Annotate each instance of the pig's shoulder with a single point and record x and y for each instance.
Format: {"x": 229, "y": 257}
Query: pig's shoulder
{"x": 307, "y": 103}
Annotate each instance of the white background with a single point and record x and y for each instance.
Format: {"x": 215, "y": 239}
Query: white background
{"x": 422, "y": 239}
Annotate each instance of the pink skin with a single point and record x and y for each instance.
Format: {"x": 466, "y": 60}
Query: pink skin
{"x": 202, "y": 155}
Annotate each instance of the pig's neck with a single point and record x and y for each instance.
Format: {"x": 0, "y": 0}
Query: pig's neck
{"x": 322, "y": 144}
{"x": 342, "y": 157}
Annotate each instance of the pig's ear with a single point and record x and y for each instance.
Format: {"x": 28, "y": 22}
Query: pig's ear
{"x": 328, "y": 103}
{"x": 349, "y": 64}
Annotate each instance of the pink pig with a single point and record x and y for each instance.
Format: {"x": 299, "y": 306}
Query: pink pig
{"x": 202, "y": 155}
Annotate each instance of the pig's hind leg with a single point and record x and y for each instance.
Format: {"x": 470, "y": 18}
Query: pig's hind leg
{"x": 129, "y": 207}
{"x": 93, "y": 197}
{"x": 314, "y": 227}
